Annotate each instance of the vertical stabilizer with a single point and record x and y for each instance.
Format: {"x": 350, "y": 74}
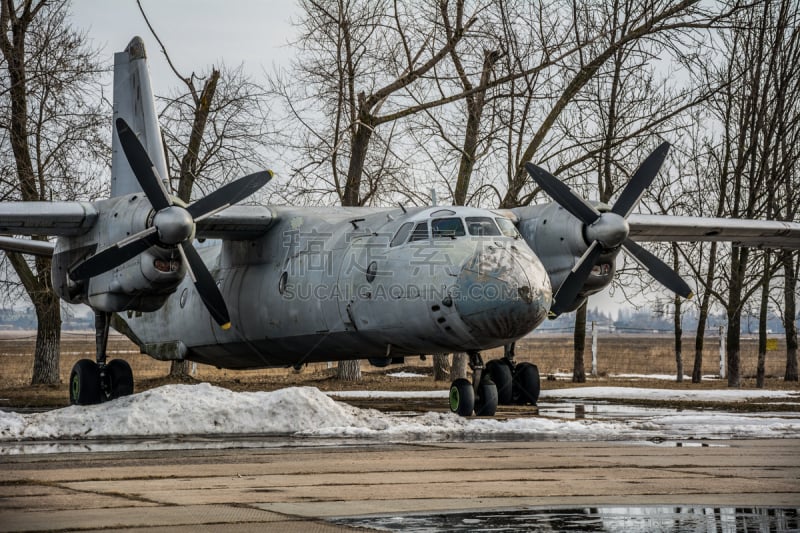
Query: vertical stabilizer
{"x": 133, "y": 101}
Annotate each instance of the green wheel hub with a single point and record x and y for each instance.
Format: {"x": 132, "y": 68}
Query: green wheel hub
{"x": 76, "y": 386}
{"x": 455, "y": 399}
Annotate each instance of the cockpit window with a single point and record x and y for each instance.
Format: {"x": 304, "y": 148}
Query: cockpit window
{"x": 402, "y": 234}
{"x": 482, "y": 226}
{"x": 507, "y": 227}
{"x": 447, "y": 227}
{"x": 420, "y": 232}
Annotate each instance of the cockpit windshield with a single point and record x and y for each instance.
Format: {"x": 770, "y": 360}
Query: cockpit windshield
{"x": 482, "y": 226}
{"x": 507, "y": 227}
{"x": 454, "y": 227}
{"x": 447, "y": 227}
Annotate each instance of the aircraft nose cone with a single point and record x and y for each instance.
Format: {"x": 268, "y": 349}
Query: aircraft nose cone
{"x": 502, "y": 295}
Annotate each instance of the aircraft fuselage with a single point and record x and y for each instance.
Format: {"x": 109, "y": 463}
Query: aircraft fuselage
{"x": 335, "y": 283}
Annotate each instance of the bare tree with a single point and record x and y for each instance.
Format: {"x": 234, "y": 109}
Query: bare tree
{"x": 213, "y": 127}
{"x": 762, "y": 49}
{"x": 52, "y": 122}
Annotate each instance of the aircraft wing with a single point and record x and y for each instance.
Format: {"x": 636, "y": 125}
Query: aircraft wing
{"x": 741, "y": 232}
{"x": 238, "y": 222}
{"x": 68, "y": 219}
{"x": 46, "y": 218}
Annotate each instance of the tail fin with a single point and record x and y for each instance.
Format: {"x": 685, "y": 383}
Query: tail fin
{"x": 133, "y": 101}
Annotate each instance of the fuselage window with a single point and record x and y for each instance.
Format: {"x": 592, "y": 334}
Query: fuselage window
{"x": 447, "y": 228}
{"x": 507, "y": 227}
{"x": 402, "y": 234}
{"x": 420, "y": 232}
{"x": 482, "y": 226}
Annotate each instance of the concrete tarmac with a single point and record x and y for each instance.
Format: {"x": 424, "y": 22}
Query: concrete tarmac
{"x": 298, "y": 488}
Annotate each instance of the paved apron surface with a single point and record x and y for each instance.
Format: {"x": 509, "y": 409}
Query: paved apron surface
{"x": 297, "y": 488}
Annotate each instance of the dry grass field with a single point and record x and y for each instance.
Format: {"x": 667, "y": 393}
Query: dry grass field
{"x": 617, "y": 354}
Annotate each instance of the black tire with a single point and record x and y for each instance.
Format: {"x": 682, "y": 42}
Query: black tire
{"x": 462, "y": 397}
{"x": 486, "y": 402}
{"x": 84, "y": 383}
{"x": 120, "y": 377}
{"x": 500, "y": 372}
{"x": 526, "y": 384}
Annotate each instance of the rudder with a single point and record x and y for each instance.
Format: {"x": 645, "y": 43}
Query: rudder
{"x": 133, "y": 101}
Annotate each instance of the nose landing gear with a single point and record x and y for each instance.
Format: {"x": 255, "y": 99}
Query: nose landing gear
{"x": 501, "y": 382}
{"x": 93, "y": 382}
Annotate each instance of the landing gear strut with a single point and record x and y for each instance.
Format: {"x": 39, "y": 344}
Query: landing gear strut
{"x": 93, "y": 382}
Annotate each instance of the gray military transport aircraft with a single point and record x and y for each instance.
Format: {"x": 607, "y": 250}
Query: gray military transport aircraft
{"x": 285, "y": 286}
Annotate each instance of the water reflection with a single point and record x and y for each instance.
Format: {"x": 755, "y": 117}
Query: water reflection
{"x": 645, "y": 519}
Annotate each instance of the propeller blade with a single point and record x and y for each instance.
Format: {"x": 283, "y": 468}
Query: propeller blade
{"x": 576, "y": 279}
{"x": 115, "y": 255}
{"x": 230, "y": 194}
{"x": 142, "y": 167}
{"x": 658, "y": 269}
{"x": 640, "y": 181}
{"x": 206, "y": 286}
{"x": 563, "y": 195}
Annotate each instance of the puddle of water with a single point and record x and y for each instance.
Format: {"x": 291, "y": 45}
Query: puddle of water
{"x": 607, "y": 518}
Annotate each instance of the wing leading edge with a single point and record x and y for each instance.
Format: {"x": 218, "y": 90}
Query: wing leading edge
{"x": 741, "y": 232}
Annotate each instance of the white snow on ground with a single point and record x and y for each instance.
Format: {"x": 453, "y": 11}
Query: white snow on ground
{"x": 601, "y": 393}
{"x": 660, "y": 377}
{"x": 635, "y": 393}
{"x": 182, "y": 410}
{"x": 406, "y": 375}
{"x": 388, "y": 394}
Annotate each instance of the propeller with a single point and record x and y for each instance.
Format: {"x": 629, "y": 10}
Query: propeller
{"x": 173, "y": 224}
{"x": 608, "y": 231}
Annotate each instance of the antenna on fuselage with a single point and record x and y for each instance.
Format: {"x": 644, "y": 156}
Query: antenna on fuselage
{"x": 402, "y": 207}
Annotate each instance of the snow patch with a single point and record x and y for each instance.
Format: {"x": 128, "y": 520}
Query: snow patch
{"x": 184, "y": 410}
{"x": 406, "y": 375}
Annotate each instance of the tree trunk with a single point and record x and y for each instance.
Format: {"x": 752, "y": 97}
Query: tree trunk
{"x": 351, "y": 195}
{"x": 179, "y": 369}
{"x": 678, "y": 341}
{"x": 677, "y": 323}
{"x": 188, "y": 171}
{"x": 48, "y": 339}
{"x": 734, "y": 314}
{"x": 789, "y": 314}
{"x": 578, "y": 370}
{"x": 702, "y": 320}
{"x": 458, "y": 370}
{"x": 441, "y": 367}
{"x": 762, "y": 323}
{"x": 349, "y": 370}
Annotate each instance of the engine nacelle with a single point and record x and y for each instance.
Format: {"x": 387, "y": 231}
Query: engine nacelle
{"x": 142, "y": 283}
{"x": 558, "y": 240}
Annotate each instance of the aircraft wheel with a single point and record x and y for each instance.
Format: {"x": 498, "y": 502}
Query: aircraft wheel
{"x": 462, "y": 397}
{"x": 500, "y": 372}
{"x": 121, "y": 376}
{"x": 526, "y": 384}
{"x": 84, "y": 383}
{"x": 486, "y": 402}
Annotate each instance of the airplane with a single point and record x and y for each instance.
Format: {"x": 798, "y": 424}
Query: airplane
{"x": 283, "y": 286}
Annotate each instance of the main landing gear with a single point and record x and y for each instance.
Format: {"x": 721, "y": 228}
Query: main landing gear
{"x": 499, "y": 382}
{"x": 93, "y": 382}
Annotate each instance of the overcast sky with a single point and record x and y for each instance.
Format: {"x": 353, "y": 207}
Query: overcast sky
{"x": 196, "y": 33}
{"x": 199, "y": 33}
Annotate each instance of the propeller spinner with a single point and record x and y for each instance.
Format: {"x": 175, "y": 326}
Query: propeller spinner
{"x": 173, "y": 224}
{"x": 608, "y": 231}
